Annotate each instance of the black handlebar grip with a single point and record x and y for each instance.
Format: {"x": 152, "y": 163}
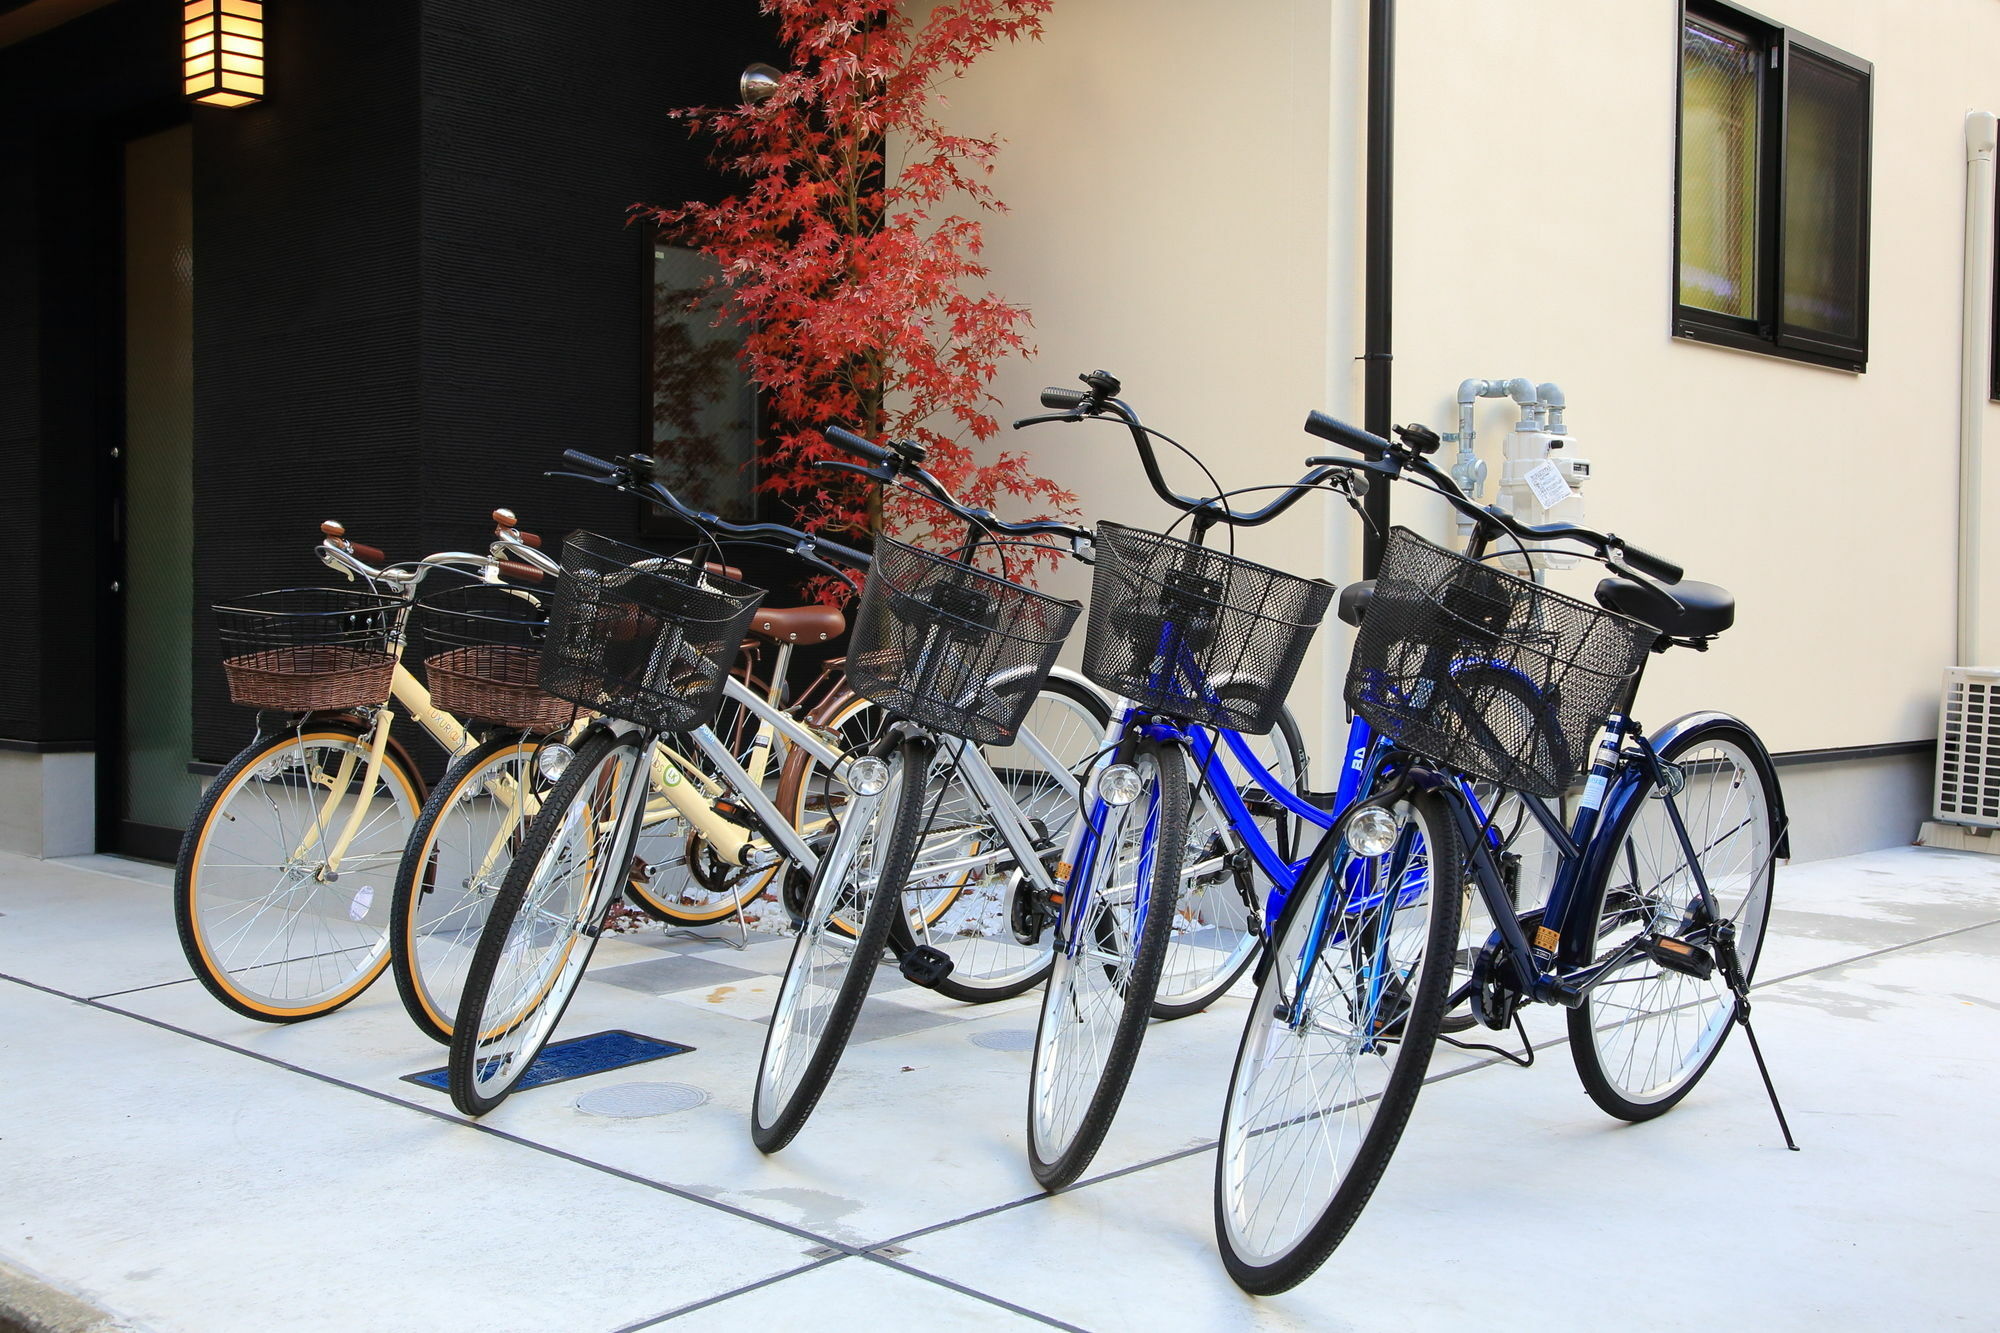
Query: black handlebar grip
{"x": 1666, "y": 571}
{"x": 1350, "y": 437}
{"x": 1063, "y": 400}
{"x": 854, "y": 444}
{"x": 588, "y": 463}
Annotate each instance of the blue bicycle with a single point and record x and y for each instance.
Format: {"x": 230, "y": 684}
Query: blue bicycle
{"x": 1649, "y": 937}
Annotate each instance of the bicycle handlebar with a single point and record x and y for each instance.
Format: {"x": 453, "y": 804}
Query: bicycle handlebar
{"x": 889, "y": 463}
{"x": 1099, "y": 401}
{"x": 1391, "y": 459}
{"x": 625, "y": 475}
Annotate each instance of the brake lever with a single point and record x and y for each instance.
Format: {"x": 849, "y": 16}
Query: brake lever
{"x": 595, "y": 479}
{"x": 1651, "y": 585}
{"x": 1078, "y": 415}
{"x": 882, "y": 473}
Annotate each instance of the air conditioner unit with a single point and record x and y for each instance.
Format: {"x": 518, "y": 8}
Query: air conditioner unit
{"x": 1968, "y": 762}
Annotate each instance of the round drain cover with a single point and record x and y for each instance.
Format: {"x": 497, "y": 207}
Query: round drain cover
{"x": 1005, "y": 1039}
{"x": 633, "y": 1101}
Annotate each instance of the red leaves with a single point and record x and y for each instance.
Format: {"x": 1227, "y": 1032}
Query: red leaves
{"x": 859, "y": 286}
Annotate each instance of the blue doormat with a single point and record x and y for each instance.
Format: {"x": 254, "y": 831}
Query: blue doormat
{"x": 578, "y": 1057}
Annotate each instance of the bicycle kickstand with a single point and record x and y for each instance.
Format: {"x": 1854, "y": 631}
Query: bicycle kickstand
{"x": 1739, "y": 987}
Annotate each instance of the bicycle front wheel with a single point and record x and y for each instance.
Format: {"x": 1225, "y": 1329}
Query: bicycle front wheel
{"x": 543, "y": 924}
{"x": 282, "y": 914}
{"x": 1108, "y": 954}
{"x": 1644, "y": 1035}
{"x": 457, "y": 858}
{"x": 1335, "y": 1048}
{"x": 833, "y": 959}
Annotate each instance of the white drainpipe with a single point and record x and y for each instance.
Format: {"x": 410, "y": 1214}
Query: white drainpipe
{"x": 1975, "y": 372}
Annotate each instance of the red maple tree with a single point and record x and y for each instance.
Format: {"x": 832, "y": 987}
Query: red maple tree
{"x": 851, "y": 256}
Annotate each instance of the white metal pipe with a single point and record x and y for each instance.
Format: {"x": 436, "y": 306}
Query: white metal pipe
{"x": 1975, "y": 372}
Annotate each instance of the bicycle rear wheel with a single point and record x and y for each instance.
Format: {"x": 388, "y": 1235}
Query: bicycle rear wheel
{"x": 1644, "y": 1036}
{"x": 1218, "y": 922}
{"x": 271, "y": 928}
{"x": 455, "y": 862}
{"x": 858, "y": 880}
{"x": 1335, "y": 1049}
{"x": 964, "y": 879}
{"x": 1107, "y": 968}
{"x": 543, "y": 924}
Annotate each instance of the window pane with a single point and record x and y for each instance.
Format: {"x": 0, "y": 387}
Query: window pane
{"x": 1826, "y": 140}
{"x": 1719, "y": 138}
{"x": 704, "y": 408}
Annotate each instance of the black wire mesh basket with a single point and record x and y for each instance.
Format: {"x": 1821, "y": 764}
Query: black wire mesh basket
{"x": 306, "y": 649}
{"x": 642, "y": 637}
{"x": 961, "y": 651}
{"x": 1485, "y": 673}
{"x": 484, "y": 642}
{"x": 1194, "y": 633}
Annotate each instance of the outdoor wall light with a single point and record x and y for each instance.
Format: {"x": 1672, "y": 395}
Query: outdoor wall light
{"x": 222, "y": 50}
{"x": 758, "y": 82}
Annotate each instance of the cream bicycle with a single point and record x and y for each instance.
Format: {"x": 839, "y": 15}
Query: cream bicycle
{"x": 283, "y": 887}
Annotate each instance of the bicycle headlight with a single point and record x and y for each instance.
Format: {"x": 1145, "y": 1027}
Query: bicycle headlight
{"x": 1120, "y": 784}
{"x": 867, "y": 776}
{"x": 1371, "y": 831}
{"x": 552, "y": 759}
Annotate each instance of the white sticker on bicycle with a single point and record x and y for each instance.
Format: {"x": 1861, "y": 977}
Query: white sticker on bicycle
{"x": 1545, "y": 479}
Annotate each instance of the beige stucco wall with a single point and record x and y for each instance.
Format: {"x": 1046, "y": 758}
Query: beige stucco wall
{"x": 1174, "y": 201}
{"x": 1186, "y": 185}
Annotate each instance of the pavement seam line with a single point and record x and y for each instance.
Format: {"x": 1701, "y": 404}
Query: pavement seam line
{"x": 501, "y": 1134}
{"x": 720, "y": 1297}
{"x": 964, "y": 1290}
{"x": 158, "y": 985}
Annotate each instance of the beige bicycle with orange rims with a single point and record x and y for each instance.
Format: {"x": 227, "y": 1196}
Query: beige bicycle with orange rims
{"x": 285, "y": 887}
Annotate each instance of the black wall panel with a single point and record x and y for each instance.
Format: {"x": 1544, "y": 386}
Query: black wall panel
{"x": 307, "y": 316}
{"x": 68, "y": 99}
{"x": 415, "y": 286}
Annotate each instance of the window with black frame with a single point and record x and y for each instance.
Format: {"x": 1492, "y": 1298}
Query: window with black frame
{"x": 704, "y": 408}
{"x": 1772, "y": 190}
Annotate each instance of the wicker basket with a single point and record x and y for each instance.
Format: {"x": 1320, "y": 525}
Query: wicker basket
{"x": 306, "y": 650}
{"x": 489, "y": 668}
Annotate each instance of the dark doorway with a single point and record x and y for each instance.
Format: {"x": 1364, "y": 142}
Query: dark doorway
{"x": 150, "y": 794}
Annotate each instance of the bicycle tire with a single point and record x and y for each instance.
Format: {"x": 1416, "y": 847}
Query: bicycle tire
{"x": 437, "y": 925}
{"x": 1204, "y": 981}
{"x": 1062, "y": 1140}
{"x": 482, "y": 1071}
{"x": 968, "y": 920}
{"x": 1674, "y": 1010}
{"x": 218, "y": 963}
{"x": 1410, "y": 1021}
{"x": 892, "y": 834}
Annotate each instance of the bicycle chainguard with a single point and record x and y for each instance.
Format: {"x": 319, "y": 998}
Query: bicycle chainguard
{"x": 925, "y": 966}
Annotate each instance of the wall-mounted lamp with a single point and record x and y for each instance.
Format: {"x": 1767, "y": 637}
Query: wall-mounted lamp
{"x": 222, "y": 51}
{"x": 758, "y": 82}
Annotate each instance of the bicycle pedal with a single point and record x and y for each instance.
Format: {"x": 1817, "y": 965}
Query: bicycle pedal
{"x": 926, "y": 966}
{"x": 1677, "y": 955}
{"x": 735, "y": 812}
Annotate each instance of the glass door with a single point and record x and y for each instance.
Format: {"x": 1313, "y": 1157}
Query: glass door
{"x": 153, "y": 794}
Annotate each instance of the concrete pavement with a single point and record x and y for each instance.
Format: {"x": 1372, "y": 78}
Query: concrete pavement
{"x": 172, "y": 1166}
